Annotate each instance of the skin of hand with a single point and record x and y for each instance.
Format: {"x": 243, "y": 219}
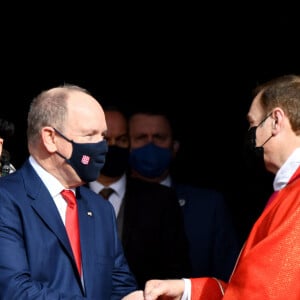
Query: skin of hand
{"x": 137, "y": 295}
{"x": 164, "y": 289}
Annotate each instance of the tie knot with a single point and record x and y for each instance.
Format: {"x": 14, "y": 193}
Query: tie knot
{"x": 69, "y": 196}
{"x": 106, "y": 192}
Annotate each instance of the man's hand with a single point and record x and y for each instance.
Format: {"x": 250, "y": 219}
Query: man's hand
{"x": 137, "y": 295}
{"x": 164, "y": 289}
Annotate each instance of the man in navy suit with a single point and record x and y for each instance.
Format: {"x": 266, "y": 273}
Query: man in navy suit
{"x": 149, "y": 218}
{"x": 66, "y": 128}
{"x": 213, "y": 243}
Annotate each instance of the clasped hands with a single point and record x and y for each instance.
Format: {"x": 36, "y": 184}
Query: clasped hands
{"x": 159, "y": 289}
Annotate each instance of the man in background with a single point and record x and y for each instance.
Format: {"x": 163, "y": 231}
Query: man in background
{"x": 213, "y": 243}
{"x": 149, "y": 219}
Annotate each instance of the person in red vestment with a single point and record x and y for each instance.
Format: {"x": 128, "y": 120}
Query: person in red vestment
{"x": 268, "y": 267}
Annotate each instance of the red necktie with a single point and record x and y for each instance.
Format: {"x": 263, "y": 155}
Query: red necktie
{"x": 72, "y": 226}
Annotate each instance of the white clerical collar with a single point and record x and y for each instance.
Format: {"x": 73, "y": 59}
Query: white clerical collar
{"x": 287, "y": 170}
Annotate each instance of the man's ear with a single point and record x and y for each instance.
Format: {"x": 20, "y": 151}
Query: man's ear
{"x": 278, "y": 116}
{"x": 48, "y": 138}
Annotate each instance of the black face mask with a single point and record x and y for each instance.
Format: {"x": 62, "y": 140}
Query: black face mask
{"x": 87, "y": 159}
{"x": 254, "y": 155}
{"x": 116, "y": 161}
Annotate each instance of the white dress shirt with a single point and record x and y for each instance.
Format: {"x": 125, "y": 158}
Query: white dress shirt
{"x": 115, "y": 198}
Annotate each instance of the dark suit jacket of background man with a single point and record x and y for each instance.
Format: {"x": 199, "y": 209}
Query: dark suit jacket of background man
{"x": 214, "y": 244}
{"x": 34, "y": 241}
{"x": 153, "y": 235}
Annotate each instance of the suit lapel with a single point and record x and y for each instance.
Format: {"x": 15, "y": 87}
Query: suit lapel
{"x": 120, "y": 217}
{"x": 44, "y": 206}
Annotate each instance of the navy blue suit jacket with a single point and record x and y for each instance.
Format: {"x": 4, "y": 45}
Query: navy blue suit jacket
{"x": 213, "y": 242}
{"x": 36, "y": 260}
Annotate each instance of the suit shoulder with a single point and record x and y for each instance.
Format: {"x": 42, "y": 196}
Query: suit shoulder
{"x": 152, "y": 187}
{"x": 152, "y": 193}
{"x": 189, "y": 190}
{"x": 12, "y": 182}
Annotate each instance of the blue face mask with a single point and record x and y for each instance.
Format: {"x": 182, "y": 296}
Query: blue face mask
{"x": 150, "y": 160}
{"x": 87, "y": 159}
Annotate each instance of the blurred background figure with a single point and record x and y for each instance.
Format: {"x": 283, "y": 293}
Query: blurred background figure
{"x": 213, "y": 243}
{"x": 149, "y": 218}
{"x": 7, "y": 130}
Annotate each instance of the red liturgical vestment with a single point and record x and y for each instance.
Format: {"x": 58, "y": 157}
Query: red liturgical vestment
{"x": 269, "y": 264}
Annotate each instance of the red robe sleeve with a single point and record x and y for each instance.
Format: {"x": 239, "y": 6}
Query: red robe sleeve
{"x": 205, "y": 288}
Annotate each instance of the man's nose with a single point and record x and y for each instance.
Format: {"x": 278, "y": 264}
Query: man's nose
{"x": 150, "y": 139}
